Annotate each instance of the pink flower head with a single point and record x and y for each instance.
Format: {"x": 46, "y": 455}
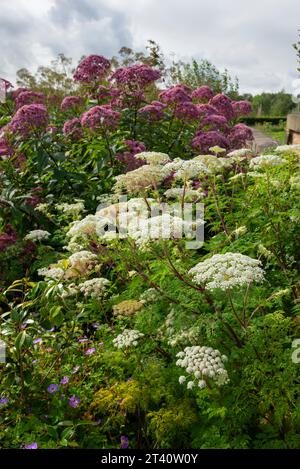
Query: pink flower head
{"x": 203, "y": 141}
{"x": 29, "y": 118}
{"x": 70, "y": 102}
{"x": 187, "y": 111}
{"x": 29, "y": 97}
{"x": 5, "y": 148}
{"x": 154, "y": 111}
{"x": 18, "y": 91}
{"x": 214, "y": 122}
{"x": 242, "y": 108}
{"x": 127, "y": 157}
{"x": 91, "y": 68}
{"x": 202, "y": 94}
{"x": 176, "y": 94}
{"x": 239, "y": 135}
{"x": 135, "y": 76}
{"x": 72, "y": 129}
{"x": 99, "y": 117}
{"x": 206, "y": 109}
{"x": 223, "y": 104}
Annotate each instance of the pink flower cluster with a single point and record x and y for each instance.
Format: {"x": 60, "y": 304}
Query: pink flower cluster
{"x": 29, "y": 118}
{"x": 242, "y": 108}
{"x": 5, "y": 148}
{"x": 72, "y": 129}
{"x": 18, "y": 91}
{"x": 91, "y": 68}
{"x": 99, "y": 117}
{"x": 127, "y": 157}
{"x": 135, "y": 76}
{"x": 70, "y": 102}
{"x": 176, "y": 94}
{"x": 153, "y": 111}
{"x": 203, "y": 141}
{"x": 29, "y": 97}
{"x": 239, "y": 134}
{"x": 203, "y": 94}
{"x": 214, "y": 122}
{"x": 187, "y": 111}
{"x": 223, "y": 105}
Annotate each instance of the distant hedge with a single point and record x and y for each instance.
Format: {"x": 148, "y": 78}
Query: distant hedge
{"x": 252, "y": 120}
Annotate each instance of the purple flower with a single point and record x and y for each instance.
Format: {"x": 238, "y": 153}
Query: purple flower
{"x": 96, "y": 423}
{"x": 90, "y": 351}
{"x": 205, "y": 140}
{"x": 124, "y": 442}
{"x": 99, "y": 117}
{"x": 136, "y": 76}
{"x": 242, "y": 108}
{"x": 52, "y": 388}
{"x": 223, "y": 104}
{"x": 28, "y": 118}
{"x": 187, "y": 111}
{"x": 75, "y": 369}
{"x": 72, "y": 129}
{"x": 70, "y": 102}
{"x": 91, "y": 68}
{"x": 64, "y": 380}
{"x": 127, "y": 157}
{"x": 203, "y": 94}
{"x": 74, "y": 401}
{"x": 214, "y": 122}
{"x": 29, "y": 97}
{"x": 153, "y": 111}
{"x": 176, "y": 94}
{"x": 37, "y": 341}
{"x": 239, "y": 135}
{"x": 96, "y": 325}
{"x": 4, "y": 400}
{"x": 83, "y": 340}
{"x": 31, "y": 446}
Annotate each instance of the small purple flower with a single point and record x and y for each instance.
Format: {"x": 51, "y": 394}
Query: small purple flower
{"x": 75, "y": 369}
{"x": 37, "y": 341}
{"x": 64, "y": 380}
{"x": 52, "y": 388}
{"x": 96, "y": 423}
{"x": 101, "y": 344}
{"x": 90, "y": 351}
{"x": 124, "y": 442}
{"x": 74, "y": 401}
{"x": 31, "y": 446}
{"x": 4, "y": 400}
{"x": 83, "y": 340}
{"x": 96, "y": 325}
{"x": 34, "y": 361}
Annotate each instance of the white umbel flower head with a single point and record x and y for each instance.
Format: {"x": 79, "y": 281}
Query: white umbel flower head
{"x": 226, "y": 271}
{"x": 37, "y": 235}
{"x": 95, "y": 287}
{"x": 187, "y": 169}
{"x": 266, "y": 161}
{"x": 203, "y": 363}
{"x": 128, "y": 338}
{"x": 153, "y": 157}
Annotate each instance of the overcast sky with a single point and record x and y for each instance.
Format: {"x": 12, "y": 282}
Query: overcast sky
{"x": 253, "y": 39}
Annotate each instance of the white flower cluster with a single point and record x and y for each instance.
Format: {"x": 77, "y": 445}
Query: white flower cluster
{"x": 37, "y": 235}
{"x": 82, "y": 262}
{"x": 226, "y": 271}
{"x": 180, "y": 192}
{"x": 42, "y": 208}
{"x": 149, "y": 296}
{"x": 84, "y": 227}
{"x": 186, "y": 169}
{"x": 94, "y": 287}
{"x": 141, "y": 179}
{"x": 153, "y": 157}
{"x": 163, "y": 226}
{"x": 128, "y": 338}
{"x": 71, "y": 209}
{"x": 266, "y": 161}
{"x": 202, "y": 363}
{"x": 241, "y": 154}
{"x": 213, "y": 163}
{"x": 53, "y": 273}
{"x": 288, "y": 148}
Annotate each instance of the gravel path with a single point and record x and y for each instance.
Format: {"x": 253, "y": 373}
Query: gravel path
{"x": 262, "y": 141}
